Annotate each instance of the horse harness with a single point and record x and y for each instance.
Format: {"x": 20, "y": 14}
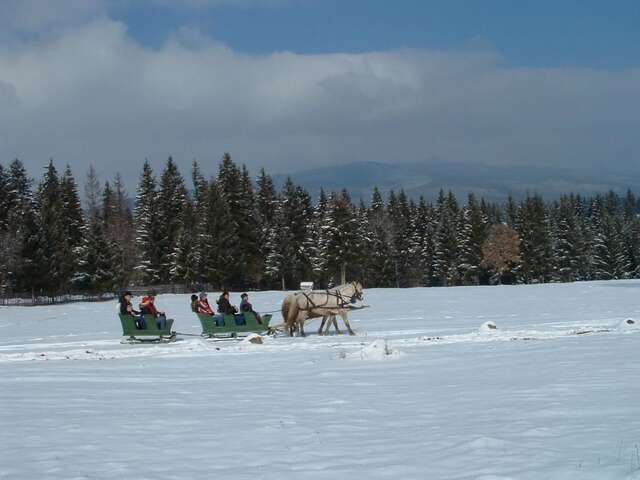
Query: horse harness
{"x": 342, "y": 301}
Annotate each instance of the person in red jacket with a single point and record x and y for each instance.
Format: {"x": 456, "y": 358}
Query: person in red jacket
{"x": 203, "y": 305}
{"x": 148, "y": 307}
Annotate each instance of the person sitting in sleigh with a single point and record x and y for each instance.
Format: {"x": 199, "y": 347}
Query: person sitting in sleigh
{"x": 148, "y": 307}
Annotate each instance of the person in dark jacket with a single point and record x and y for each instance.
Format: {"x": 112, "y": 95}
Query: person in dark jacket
{"x": 126, "y": 308}
{"x": 224, "y": 306}
{"x": 194, "y": 303}
{"x": 245, "y": 306}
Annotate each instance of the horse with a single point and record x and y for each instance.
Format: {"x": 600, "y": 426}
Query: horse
{"x": 300, "y": 306}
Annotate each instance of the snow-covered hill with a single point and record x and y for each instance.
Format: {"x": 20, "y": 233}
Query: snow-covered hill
{"x": 427, "y": 389}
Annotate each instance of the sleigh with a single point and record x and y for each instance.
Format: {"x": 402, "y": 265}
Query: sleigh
{"x": 149, "y": 334}
{"x": 229, "y": 325}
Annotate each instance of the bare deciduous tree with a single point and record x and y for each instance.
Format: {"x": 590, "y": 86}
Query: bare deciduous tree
{"x": 501, "y": 250}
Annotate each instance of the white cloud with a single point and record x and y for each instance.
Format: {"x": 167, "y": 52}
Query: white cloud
{"x": 93, "y": 95}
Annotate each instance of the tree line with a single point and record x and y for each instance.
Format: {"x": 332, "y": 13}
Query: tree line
{"x": 233, "y": 231}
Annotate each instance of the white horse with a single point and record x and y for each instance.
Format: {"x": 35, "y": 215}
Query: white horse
{"x": 298, "y": 307}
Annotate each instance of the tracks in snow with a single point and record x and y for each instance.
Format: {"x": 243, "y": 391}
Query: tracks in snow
{"x": 411, "y": 338}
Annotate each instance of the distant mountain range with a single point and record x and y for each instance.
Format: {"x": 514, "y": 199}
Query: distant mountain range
{"x": 494, "y": 183}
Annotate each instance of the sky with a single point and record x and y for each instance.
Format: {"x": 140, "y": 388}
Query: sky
{"x": 295, "y": 84}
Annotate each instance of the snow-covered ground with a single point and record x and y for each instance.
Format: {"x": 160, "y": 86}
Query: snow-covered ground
{"x": 426, "y": 390}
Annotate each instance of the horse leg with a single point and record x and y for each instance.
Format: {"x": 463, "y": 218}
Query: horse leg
{"x": 335, "y": 324}
{"x": 345, "y": 318}
{"x": 324, "y": 319}
{"x": 301, "y": 328}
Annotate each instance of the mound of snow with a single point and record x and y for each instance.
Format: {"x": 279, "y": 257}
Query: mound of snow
{"x": 486, "y": 443}
{"x": 628, "y": 324}
{"x": 376, "y": 350}
{"x": 252, "y": 338}
{"x": 488, "y": 327}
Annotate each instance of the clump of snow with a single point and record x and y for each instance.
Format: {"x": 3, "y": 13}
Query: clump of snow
{"x": 486, "y": 443}
{"x": 488, "y": 327}
{"x": 253, "y": 338}
{"x": 377, "y": 350}
{"x": 628, "y": 324}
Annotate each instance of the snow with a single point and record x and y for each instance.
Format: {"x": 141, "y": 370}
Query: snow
{"x": 423, "y": 391}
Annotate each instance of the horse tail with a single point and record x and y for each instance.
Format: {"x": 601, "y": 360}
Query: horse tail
{"x": 285, "y": 309}
{"x": 290, "y": 312}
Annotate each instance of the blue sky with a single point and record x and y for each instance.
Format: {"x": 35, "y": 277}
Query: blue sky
{"x": 536, "y": 33}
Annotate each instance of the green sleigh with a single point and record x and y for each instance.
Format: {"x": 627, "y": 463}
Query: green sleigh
{"x": 149, "y": 334}
{"x": 231, "y": 325}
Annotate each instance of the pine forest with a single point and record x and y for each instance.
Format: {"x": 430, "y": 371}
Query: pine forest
{"x": 238, "y": 232}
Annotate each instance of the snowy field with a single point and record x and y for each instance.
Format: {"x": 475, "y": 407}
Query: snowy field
{"x": 552, "y": 393}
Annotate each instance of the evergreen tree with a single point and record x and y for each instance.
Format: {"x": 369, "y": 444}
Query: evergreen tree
{"x": 72, "y": 221}
{"x": 6, "y": 250}
{"x": 230, "y": 188}
{"x": 278, "y": 265}
{"x": 249, "y": 235}
{"x": 631, "y": 234}
{"x": 362, "y": 245}
{"x": 533, "y": 227}
{"x": 471, "y": 237}
{"x": 171, "y": 200}
{"x": 22, "y": 231}
{"x": 218, "y": 238}
{"x": 97, "y": 271}
{"x": 511, "y": 212}
{"x": 126, "y": 233}
{"x": 118, "y": 230}
{"x": 568, "y": 239}
{"x": 340, "y": 235}
{"x": 266, "y": 198}
{"x": 148, "y": 229}
{"x": 609, "y": 257}
{"x": 445, "y": 258}
{"x": 20, "y": 195}
{"x": 199, "y": 207}
{"x": 57, "y": 252}
{"x": 288, "y": 259}
{"x": 4, "y": 200}
{"x": 380, "y": 263}
{"x": 399, "y": 215}
{"x": 317, "y": 241}
{"x": 185, "y": 266}
{"x": 32, "y": 272}
{"x": 422, "y": 241}
{"x": 299, "y": 215}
